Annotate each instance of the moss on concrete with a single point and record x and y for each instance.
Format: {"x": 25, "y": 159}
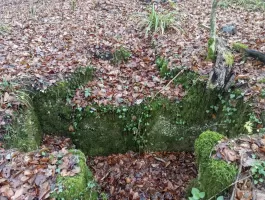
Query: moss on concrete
{"x": 214, "y": 175}
{"x": 102, "y": 134}
{"x": 217, "y": 176}
{"x": 53, "y": 110}
{"x": 167, "y": 136}
{"x": 175, "y": 122}
{"x": 76, "y": 187}
{"x": 232, "y": 115}
{"x": 26, "y": 132}
{"x": 158, "y": 124}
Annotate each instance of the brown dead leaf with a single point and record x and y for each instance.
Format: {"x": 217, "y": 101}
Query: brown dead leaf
{"x": 244, "y": 194}
{"x": 6, "y": 190}
{"x": 229, "y": 155}
{"x": 136, "y": 196}
{"x": 262, "y": 149}
{"x": 19, "y": 192}
{"x": 71, "y": 128}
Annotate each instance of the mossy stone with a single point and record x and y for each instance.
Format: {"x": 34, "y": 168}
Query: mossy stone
{"x": 163, "y": 124}
{"x": 204, "y": 145}
{"x": 214, "y": 175}
{"x": 76, "y": 187}
{"x": 53, "y": 110}
{"x": 168, "y": 136}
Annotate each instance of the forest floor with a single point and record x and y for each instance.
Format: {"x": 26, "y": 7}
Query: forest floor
{"x": 42, "y": 42}
{"x": 158, "y": 175}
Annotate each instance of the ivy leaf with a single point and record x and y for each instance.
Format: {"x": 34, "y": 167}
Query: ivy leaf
{"x": 195, "y": 191}
{"x": 248, "y": 126}
{"x": 202, "y": 194}
{"x": 232, "y": 96}
{"x": 87, "y": 92}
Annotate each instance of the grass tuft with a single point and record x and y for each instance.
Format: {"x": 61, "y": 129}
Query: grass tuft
{"x": 159, "y": 22}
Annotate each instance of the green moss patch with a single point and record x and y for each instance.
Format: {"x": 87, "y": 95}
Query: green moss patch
{"x": 229, "y": 58}
{"x": 211, "y": 49}
{"x": 52, "y": 105}
{"x": 214, "y": 175}
{"x": 204, "y": 145}
{"x": 262, "y": 80}
{"x": 217, "y": 177}
{"x": 102, "y": 134}
{"x": 239, "y": 46}
{"x": 76, "y": 187}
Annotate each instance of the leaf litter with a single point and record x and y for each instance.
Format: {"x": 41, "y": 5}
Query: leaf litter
{"x": 158, "y": 175}
{"x": 33, "y": 175}
{"x": 246, "y": 152}
{"x": 45, "y": 41}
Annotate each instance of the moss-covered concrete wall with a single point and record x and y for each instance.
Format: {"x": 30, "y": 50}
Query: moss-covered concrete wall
{"x": 52, "y": 107}
{"x": 102, "y": 134}
{"x": 156, "y": 124}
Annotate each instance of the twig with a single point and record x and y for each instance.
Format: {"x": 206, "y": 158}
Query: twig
{"x": 105, "y": 175}
{"x": 205, "y": 27}
{"x": 168, "y": 84}
{"x": 160, "y": 159}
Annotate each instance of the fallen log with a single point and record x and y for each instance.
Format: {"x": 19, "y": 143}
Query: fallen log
{"x": 239, "y": 47}
{"x": 255, "y": 54}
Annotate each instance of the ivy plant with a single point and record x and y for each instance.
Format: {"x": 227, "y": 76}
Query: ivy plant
{"x": 196, "y": 194}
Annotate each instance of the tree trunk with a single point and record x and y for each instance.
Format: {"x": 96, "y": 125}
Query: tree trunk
{"x": 222, "y": 76}
{"x": 212, "y": 40}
